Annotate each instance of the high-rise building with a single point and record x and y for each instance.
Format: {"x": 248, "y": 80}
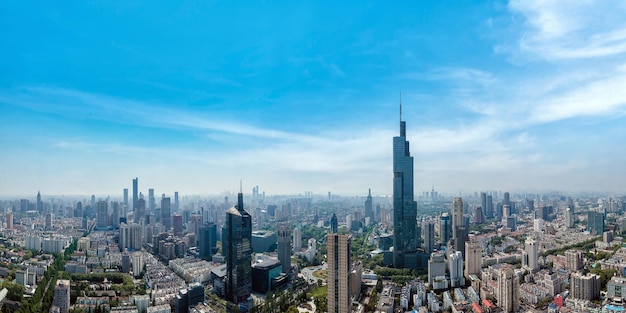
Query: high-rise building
{"x": 478, "y": 216}
{"x": 455, "y": 267}
{"x": 595, "y": 223}
{"x": 405, "y": 238}
{"x": 569, "y": 218}
{"x": 530, "y": 255}
{"x": 507, "y": 293}
{"x": 176, "y": 202}
{"x": 137, "y": 261}
{"x": 445, "y": 228}
{"x": 334, "y": 224}
{"x": 483, "y": 203}
{"x": 49, "y": 217}
{"x": 284, "y": 247}
{"x": 585, "y": 287}
{"x": 297, "y": 239}
{"x": 507, "y": 199}
{"x": 131, "y": 236}
{"x": 135, "y": 192}
{"x": 474, "y": 256}
{"x": 166, "y": 213}
{"x": 10, "y": 220}
{"x": 436, "y": 266}
{"x": 369, "y": 207}
{"x": 338, "y": 281}
{"x": 489, "y": 208}
{"x": 177, "y": 223}
{"x": 126, "y": 197}
{"x": 62, "y": 295}
{"x": 140, "y": 211}
{"x": 151, "y": 200}
{"x": 126, "y": 265}
{"x": 459, "y": 229}
{"x": 102, "y": 217}
{"x": 39, "y": 203}
{"x": 115, "y": 215}
{"x": 429, "y": 236}
{"x": 574, "y": 260}
{"x": 237, "y": 238}
{"x": 207, "y": 238}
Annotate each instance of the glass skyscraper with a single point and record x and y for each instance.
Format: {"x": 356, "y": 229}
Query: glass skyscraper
{"x": 237, "y": 248}
{"x": 405, "y": 236}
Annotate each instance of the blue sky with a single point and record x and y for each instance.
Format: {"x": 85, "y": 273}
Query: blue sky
{"x": 301, "y": 96}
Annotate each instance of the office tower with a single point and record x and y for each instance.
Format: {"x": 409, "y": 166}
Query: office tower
{"x": 507, "y": 199}
{"x": 483, "y": 203}
{"x": 10, "y": 220}
{"x": 531, "y": 205}
{"x": 489, "y": 208}
{"x": 369, "y": 208}
{"x": 207, "y": 238}
{"x": 585, "y": 287}
{"x": 569, "y": 218}
{"x": 334, "y": 224}
{"x": 511, "y": 222}
{"x": 338, "y": 281}
{"x": 455, "y": 267}
{"x": 102, "y": 217}
{"x": 436, "y": 266}
{"x": 506, "y": 211}
{"x": 166, "y": 213}
{"x": 177, "y": 224}
{"x": 125, "y": 262}
{"x": 478, "y": 216}
{"x": 48, "y": 217}
{"x": 176, "y": 203}
{"x": 140, "y": 211}
{"x": 39, "y": 203}
{"x": 62, "y": 295}
{"x": 429, "y": 236}
{"x": 574, "y": 260}
{"x": 115, "y": 215}
{"x": 151, "y": 200}
{"x": 508, "y": 290}
{"x": 24, "y": 204}
{"x": 445, "y": 228}
{"x": 284, "y": 247}
{"x": 530, "y": 255}
{"x": 135, "y": 192}
{"x": 297, "y": 239}
{"x": 237, "y": 238}
{"x": 404, "y": 207}
{"x": 459, "y": 230}
{"x": 126, "y": 197}
{"x": 474, "y": 256}
{"x": 595, "y": 223}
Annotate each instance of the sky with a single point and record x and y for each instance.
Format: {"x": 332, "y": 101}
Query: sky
{"x": 295, "y": 96}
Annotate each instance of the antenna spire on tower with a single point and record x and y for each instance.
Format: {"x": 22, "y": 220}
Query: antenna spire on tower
{"x": 400, "y": 105}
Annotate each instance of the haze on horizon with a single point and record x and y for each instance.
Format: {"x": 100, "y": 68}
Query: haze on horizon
{"x": 294, "y": 97}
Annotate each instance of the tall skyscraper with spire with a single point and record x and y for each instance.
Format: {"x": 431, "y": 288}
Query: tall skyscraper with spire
{"x": 237, "y": 248}
{"x": 135, "y": 192}
{"x": 369, "y": 208}
{"x": 405, "y": 238}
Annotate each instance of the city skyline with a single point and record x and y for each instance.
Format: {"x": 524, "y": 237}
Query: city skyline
{"x": 192, "y": 97}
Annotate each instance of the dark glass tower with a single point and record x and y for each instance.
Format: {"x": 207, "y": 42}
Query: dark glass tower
{"x": 135, "y": 192}
{"x": 166, "y": 213}
{"x": 237, "y": 237}
{"x": 369, "y": 208}
{"x": 405, "y": 236}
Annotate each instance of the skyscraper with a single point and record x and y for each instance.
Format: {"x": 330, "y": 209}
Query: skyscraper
{"x": 369, "y": 208}
{"x": 166, "y": 213}
{"x": 151, "y": 200}
{"x": 284, "y": 247}
{"x": 569, "y": 218}
{"x": 405, "y": 237}
{"x": 39, "y": 203}
{"x": 237, "y": 238}
{"x": 140, "y": 210}
{"x": 297, "y": 239}
{"x": 135, "y": 192}
{"x": 483, "y": 203}
{"x": 585, "y": 287}
{"x": 508, "y": 290}
{"x": 530, "y": 255}
{"x": 126, "y": 197}
{"x": 595, "y": 223}
{"x": 62, "y": 295}
{"x": 338, "y": 296}
{"x": 455, "y": 266}
{"x": 102, "y": 217}
{"x": 207, "y": 238}
{"x": 176, "y": 203}
{"x": 334, "y": 224}
{"x": 429, "y": 236}
{"x": 445, "y": 228}
{"x": 459, "y": 229}
{"x": 474, "y": 257}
